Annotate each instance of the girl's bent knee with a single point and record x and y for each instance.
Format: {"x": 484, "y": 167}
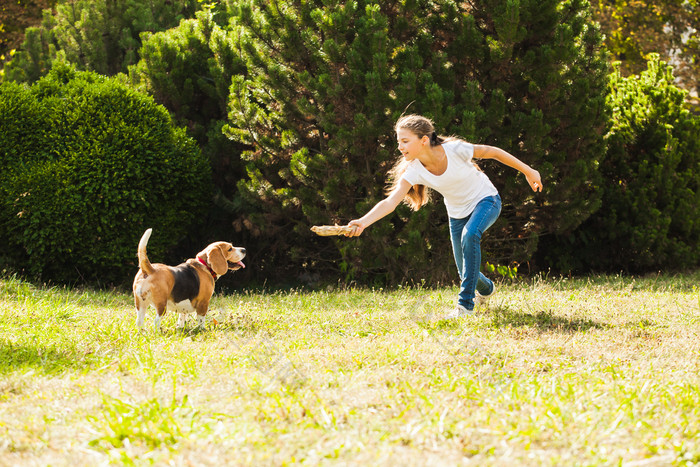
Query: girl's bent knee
{"x": 470, "y": 237}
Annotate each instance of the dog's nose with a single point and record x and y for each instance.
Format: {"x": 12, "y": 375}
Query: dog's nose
{"x": 243, "y": 251}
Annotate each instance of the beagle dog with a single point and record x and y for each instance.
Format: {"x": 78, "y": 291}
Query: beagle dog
{"x": 184, "y": 288}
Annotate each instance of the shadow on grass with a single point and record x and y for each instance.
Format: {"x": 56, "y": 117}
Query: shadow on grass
{"x": 544, "y": 320}
{"x": 15, "y": 357}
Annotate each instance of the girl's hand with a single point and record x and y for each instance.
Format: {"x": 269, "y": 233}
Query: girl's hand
{"x": 533, "y": 178}
{"x": 358, "y": 228}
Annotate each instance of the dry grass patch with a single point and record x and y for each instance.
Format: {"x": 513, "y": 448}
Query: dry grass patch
{"x": 554, "y": 372}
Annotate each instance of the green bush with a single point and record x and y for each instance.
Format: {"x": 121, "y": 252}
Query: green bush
{"x": 89, "y": 165}
{"x": 650, "y": 213}
{"x": 326, "y": 81}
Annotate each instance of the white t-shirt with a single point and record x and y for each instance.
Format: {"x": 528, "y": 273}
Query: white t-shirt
{"x": 462, "y": 184}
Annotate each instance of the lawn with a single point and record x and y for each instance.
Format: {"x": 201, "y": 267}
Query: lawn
{"x": 603, "y": 370}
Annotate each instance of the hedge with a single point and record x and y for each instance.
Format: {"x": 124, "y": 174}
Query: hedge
{"x": 89, "y": 165}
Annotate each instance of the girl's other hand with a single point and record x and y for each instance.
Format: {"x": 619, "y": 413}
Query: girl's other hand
{"x": 358, "y": 228}
{"x": 533, "y": 178}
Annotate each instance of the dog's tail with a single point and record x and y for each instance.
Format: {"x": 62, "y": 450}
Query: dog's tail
{"x": 144, "y": 264}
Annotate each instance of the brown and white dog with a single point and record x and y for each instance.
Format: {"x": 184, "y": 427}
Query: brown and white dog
{"x": 185, "y": 288}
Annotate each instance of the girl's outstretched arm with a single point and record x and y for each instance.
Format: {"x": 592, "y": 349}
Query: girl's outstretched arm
{"x": 482, "y": 151}
{"x": 381, "y": 209}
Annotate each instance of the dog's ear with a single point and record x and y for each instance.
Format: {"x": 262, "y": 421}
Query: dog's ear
{"x": 217, "y": 260}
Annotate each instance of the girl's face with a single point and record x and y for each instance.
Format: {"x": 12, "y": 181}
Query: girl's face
{"x": 410, "y": 144}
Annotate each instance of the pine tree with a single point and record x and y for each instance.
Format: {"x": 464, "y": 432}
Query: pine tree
{"x": 15, "y": 17}
{"x": 327, "y": 80}
{"x": 94, "y": 35}
{"x": 188, "y": 69}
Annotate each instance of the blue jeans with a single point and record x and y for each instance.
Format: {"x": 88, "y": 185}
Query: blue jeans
{"x": 466, "y": 244}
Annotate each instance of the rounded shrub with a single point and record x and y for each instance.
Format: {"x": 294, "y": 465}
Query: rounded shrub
{"x": 90, "y": 164}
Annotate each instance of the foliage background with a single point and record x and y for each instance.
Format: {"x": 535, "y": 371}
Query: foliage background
{"x": 635, "y": 29}
{"x": 15, "y": 17}
{"x": 292, "y": 105}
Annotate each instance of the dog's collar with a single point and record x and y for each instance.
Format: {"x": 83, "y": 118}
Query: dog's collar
{"x": 211, "y": 271}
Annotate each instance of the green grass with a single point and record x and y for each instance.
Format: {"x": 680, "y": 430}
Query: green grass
{"x": 598, "y": 371}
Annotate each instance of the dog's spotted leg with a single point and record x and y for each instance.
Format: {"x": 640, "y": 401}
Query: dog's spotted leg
{"x": 141, "y": 308}
{"x": 140, "y": 317}
{"x": 181, "y": 320}
{"x": 160, "y": 312}
{"x": 201, "y": 307}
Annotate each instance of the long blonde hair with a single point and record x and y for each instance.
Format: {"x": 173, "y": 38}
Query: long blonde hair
{"x": 418, "y": 195}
